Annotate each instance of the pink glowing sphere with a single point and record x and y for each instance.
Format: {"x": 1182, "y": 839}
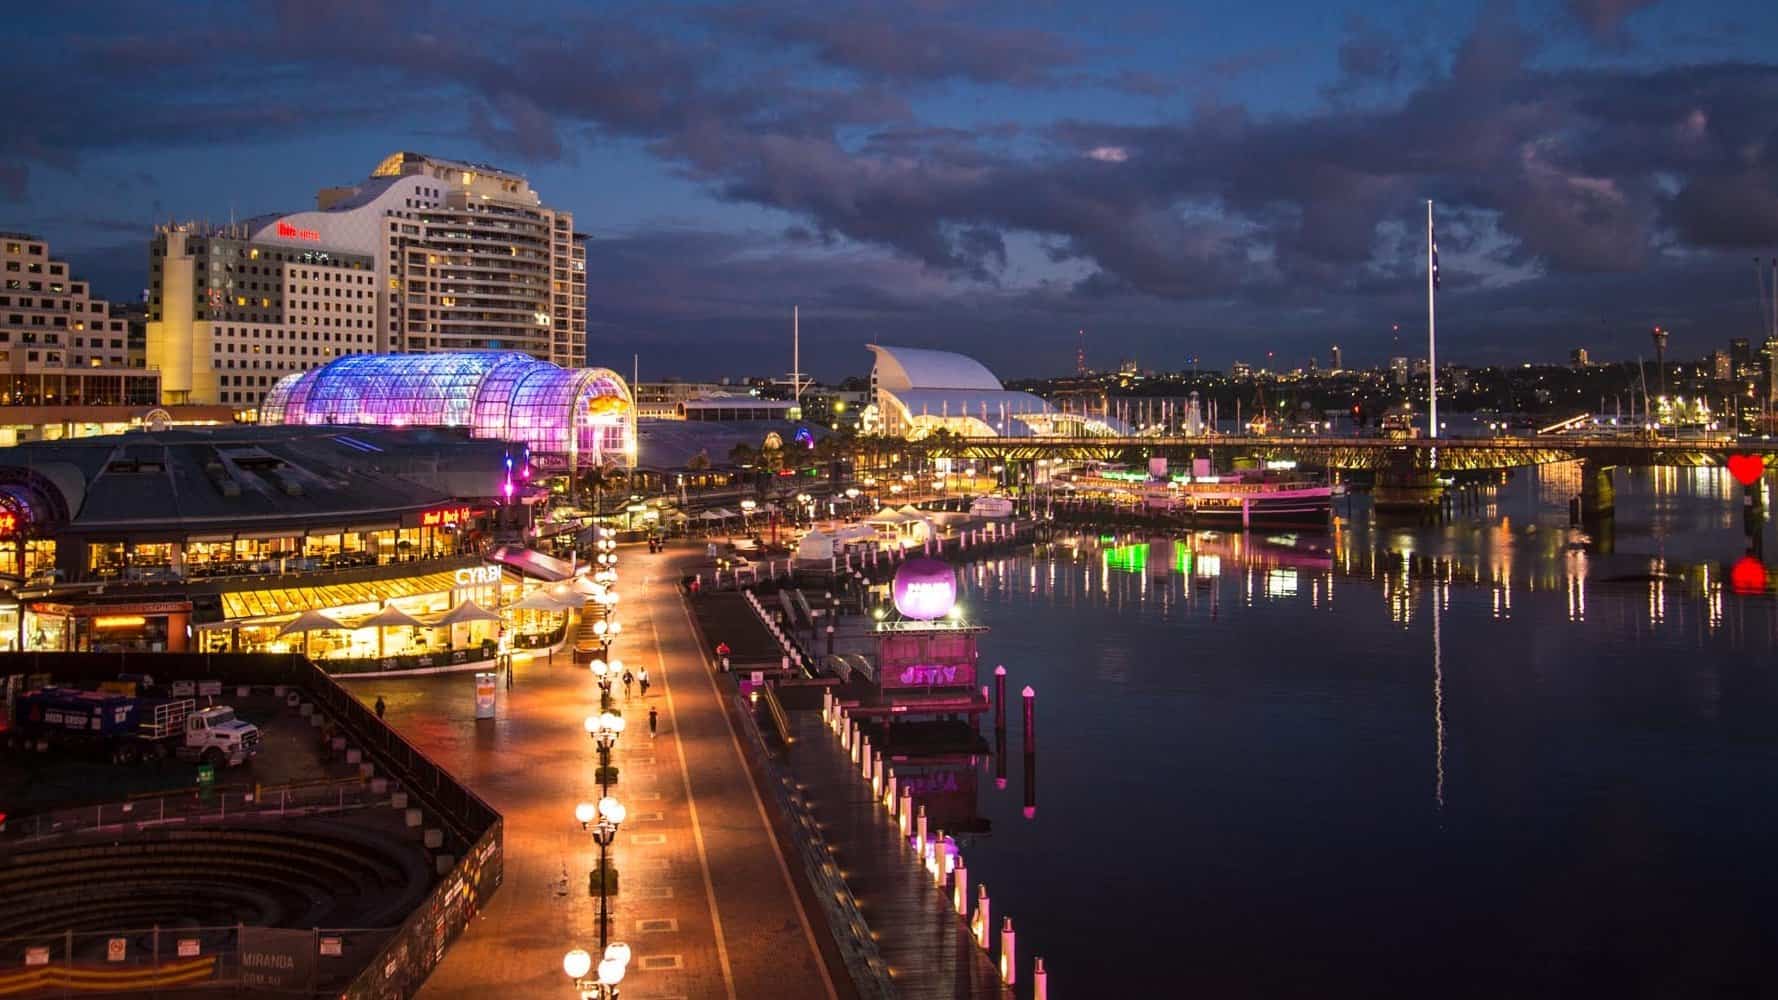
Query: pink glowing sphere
{"x": 925, "y": 589}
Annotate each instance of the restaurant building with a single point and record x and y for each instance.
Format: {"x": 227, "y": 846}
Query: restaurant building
{"x": 221, "y": 539}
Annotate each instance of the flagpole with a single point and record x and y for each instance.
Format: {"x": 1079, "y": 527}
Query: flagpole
{"x": 1431, "y": 326}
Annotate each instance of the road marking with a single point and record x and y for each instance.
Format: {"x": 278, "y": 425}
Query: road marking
{"x": 660, "y": 963}
{"x": 647, "y": 839}
{"x": 657, "y": 925}
{"x": 697, "y": 830}
{"x": 796, "y": 900}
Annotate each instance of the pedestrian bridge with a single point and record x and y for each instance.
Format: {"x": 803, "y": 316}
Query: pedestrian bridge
{"x": 1375, "y": 453}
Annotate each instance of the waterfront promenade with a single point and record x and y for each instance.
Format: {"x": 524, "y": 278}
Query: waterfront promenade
{"x": 706, "y": 900}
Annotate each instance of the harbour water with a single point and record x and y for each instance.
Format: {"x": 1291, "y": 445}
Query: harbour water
{"x": 1489, "y": 757}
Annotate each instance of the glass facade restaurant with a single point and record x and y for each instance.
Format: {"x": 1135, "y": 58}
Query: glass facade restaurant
{"x": 566, "y": 417}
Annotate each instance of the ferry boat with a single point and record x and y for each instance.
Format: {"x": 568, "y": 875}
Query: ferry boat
{"x": 1272, "y": 497}
{"x": 992, "y": 507}
{"x": 1243, "y": 498}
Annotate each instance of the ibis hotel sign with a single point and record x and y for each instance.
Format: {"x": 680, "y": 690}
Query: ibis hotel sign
{"x": 287, "y": 231}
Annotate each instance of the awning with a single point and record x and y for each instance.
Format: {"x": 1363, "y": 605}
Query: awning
{"x": 533, "y": 563}
{"x": 277, "y": 597}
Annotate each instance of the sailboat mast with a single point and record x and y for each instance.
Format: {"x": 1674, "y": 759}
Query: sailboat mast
{"x": 1431, "y": 324}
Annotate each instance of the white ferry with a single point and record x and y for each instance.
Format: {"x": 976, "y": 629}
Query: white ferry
{"x": 992, "y": 506}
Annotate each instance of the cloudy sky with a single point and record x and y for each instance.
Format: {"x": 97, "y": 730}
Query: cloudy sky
{"x": 1211, "y": 180}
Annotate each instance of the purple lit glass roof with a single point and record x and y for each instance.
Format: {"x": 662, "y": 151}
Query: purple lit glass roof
{"x": 584, "y": 413}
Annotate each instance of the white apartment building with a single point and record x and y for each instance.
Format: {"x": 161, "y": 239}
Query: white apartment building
{"x": 467, "y": 257}
{"x": 59, "y": 346}
{"x": 424, "y": 255}
{"x": 229, "y": 316}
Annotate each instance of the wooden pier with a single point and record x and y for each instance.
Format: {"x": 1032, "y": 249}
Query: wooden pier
{"x": 928, "y": 947}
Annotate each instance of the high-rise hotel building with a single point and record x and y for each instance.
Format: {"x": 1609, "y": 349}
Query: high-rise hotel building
{"x": 459, "y": 257}
{"x": 60, "y": 346}
{"x": 229, "y": 315}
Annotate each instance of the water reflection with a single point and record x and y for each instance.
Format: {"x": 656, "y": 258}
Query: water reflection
{"x": 1242, "y": 722}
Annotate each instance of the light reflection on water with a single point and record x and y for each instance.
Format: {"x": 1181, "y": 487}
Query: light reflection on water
{"x": 1493, "y": 756}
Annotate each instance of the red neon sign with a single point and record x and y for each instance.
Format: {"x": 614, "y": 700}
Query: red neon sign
{"x": 9, "y": 523}
{"x": 444, "y": 516}
{"x": 290, "y": 232}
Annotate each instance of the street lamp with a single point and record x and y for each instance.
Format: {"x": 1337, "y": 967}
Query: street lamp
{"x": 602, "y": 821}
{"x": 612, "y": 966}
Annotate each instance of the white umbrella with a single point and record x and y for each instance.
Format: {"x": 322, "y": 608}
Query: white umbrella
{"x": 586, "y": 587}
{"x": 468, "y": 611}
{"x": 390, "y": 617}
{"x": 309, "y": 621}
{"x": 539, "y": 600}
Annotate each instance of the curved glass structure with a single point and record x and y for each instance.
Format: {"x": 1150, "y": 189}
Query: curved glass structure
{"x": 576, "y": 416}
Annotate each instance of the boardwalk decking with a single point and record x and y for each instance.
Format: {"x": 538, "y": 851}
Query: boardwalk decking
{"x": 925, "y": 943}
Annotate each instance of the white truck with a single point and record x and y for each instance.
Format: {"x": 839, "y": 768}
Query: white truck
{"x": 130, "y": 728}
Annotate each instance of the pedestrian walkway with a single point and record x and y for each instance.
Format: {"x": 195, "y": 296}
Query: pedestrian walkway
{"x": 706, "y": 900}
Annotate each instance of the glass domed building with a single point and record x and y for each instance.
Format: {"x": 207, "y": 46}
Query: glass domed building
{"x": 568, "y": 417}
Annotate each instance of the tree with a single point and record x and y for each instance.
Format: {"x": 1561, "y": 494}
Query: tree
{"x": 699, "y": 462}
{"x": 599, "y": 479}
{"x": 742, "y": 455}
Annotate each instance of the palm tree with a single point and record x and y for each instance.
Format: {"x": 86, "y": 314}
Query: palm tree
{"x": 599, "y": 479}
{"x": 742, "y": 455}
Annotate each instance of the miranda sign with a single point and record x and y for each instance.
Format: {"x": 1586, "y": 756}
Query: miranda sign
{"x": 925, "y": 589}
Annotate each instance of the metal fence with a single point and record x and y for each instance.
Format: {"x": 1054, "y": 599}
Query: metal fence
{"x": 374, "y": 964}
{"x": 197, "y": 805}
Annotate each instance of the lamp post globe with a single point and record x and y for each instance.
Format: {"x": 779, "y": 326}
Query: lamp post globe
{"x": 611, "y": 972}
{"x": 585, "y": 812}
{"x": 577, "y": 963}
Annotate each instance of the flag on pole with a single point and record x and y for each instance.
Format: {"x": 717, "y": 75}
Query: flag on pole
{"x": 1432, "y": 234}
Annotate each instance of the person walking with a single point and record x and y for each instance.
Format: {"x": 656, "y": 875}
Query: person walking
{"x": 642, "y": 678}
{"x": 380, "y": 706}
{"x": 629, "y": 678}
{"x": 652, "y": 717}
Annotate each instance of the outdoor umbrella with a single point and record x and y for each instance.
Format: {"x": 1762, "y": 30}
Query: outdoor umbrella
{"x": 309, "y": 621}
{"x": 390, "y": 617}
{"x": 468, "y": 611}
{"x": 539, "y": 600}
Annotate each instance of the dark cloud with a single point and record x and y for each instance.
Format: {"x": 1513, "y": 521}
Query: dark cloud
{"x": 1213, "y": 217}
{"x": 891, "y": 42}
{"x": 1604, "y": 19}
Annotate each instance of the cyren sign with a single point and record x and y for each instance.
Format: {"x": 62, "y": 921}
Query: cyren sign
{"x": 443, "y": 517}
{"x": 290, "y": 232}
{"x": 471, "y": 576}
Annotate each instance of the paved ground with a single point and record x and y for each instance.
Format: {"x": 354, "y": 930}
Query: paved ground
{"x": 706, "y": 901}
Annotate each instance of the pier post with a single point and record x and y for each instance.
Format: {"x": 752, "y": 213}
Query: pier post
{"x": 960, "y": 888}
{"x": 1040, "y": 982}
{"x": 903, "y": 815}
{"x": 1030, "y": 785}
{"x": 1008, "y": 964}
{"x": 1030, "y": 720}
{"x": 857, "y": 738}
{"x": 1000, "y": 697}
{"x": 981, "y": 915}
{"x": 888, "y": 789}
{"x": 920, "y": 829}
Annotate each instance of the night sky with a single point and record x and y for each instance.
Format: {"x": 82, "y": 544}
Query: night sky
{"x": 1216, "y": 180}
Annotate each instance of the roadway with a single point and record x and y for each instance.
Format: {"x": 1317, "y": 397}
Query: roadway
{"x": 707, "y": 901}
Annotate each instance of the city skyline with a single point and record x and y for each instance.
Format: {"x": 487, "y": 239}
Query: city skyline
{"x": 992, "y": 179}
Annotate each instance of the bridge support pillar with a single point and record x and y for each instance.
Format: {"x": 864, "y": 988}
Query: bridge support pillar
{"x": 1598, "y": 497}
{"x": 1407, "y": 491}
